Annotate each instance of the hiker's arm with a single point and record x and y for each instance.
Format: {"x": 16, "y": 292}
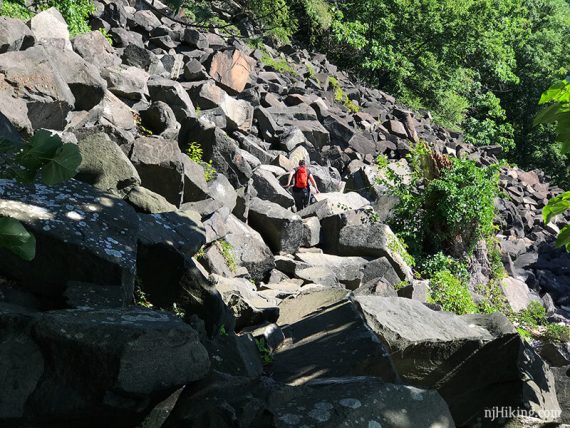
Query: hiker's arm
{"x": 314, "y": 183}
{"x": 291, "y": 174}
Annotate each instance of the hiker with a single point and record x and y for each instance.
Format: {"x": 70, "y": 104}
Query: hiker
{"x": 301, "y": 188}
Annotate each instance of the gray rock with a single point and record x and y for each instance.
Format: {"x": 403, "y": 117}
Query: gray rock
{"x": 280, "y": 228}
{"x": 43, "y": 101}
{"x": 329, "y": 204}
{"x": 50, "y": 29}
{"x": 517, "y": 293}
{"x": 159, "y": 118}
{"x": 311, "y": 232}
{"x": 14, "y": 35}
{"x": 173, "y": 94}
{"x": 148, "y": 202}
{"x": 195, "y": 185}
{"x": 460, "y": 359}
{"x": 81, "y": 235}
{"x": 269, "y": 188}
{"x": 248, "y": 307}
{"x": 94, "y": 48}
{"x": 351, "y": 401}
{"x": 562, "y": 379}
{"x": 83, "y": 78}
{"x": 221, "y": 190}
{"x": 195, "y": 39}
{"x": 328, "y": 339}
{"x": 104, "y": 165}
{"x": 348, "y": 270}
{"x": 250, "y": 250}
{"x": 127, "y": 82}
{"x": 159, "y": 164}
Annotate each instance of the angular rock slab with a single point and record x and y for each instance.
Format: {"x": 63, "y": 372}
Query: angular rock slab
{"x": 327, "y": 337}
{"x": 81, "y": 235}
{"x": 360, "y": 402}
{"x": 471, "y": 368}
{"x": 108, "y": 366}
{"x": 280, "y": 228}
{"x": 231, "y": 69}
{"x": 14, "y": 35}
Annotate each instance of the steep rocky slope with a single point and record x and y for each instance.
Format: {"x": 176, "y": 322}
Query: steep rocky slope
{"x": 223, "y": 250}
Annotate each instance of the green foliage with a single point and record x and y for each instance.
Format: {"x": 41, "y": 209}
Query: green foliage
{"x": 227, "y": 252}
{"x": 222, "y": 332}
{"x": 341, "y": 97}
{"x": 533, "y": 316}
{"x": 443, "y": 210}
{"x": 382, "y": 161}
{"x": 15, "y": 238}
{"x": 264, "y": 351}
{"x": 196, "y": 153}
{"x": 558, "y": 111}
{"x": 557, "y": 333}
{"x": 280, "y": 65}
{"x": 452, "y": 294}
{"x": 431, "y": 265}
{"x": 397, "y": 246}
{"x": 106, "y": 34}
{"x": 400, "y": 285}
{"x": 178, "y": 311}
{"x": 75, "y": 12}
{"x": 15, "y": 9}
{"x": 524, "y": 334}
{"x": 141, "y": 299}
{"x": 492, "y": 298}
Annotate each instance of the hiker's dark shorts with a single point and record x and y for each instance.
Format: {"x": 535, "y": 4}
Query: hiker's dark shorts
{"x": 301, "y": 197}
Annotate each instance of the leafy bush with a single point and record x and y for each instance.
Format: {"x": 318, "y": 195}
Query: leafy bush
{"x": 533, "y": 316}
{"x": 341, "y": 97}
{"x": 557, "y": 333}
{"x": 431, "y": 265}
{"x": 15, "y": 9}
{"x": 452, "y": 294}
{"x": 382, "y": 161}
{"x": 280, "y": 65}
{"x": 264, "y": 351}
{"x": 448, "y": 206}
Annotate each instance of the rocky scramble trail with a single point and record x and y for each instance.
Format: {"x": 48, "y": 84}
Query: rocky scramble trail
{"x": 247, "y": 314}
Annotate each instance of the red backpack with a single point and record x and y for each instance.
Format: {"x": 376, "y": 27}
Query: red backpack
{"x": 302, "y": 178}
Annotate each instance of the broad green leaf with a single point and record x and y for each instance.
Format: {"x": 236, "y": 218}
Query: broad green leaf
{"x": 42, "y": 147}
{"x": 548, "y": 114}
{"x": 551, "y": 93}
{"x": 565, "y": 145}
{"x": 62, "y": 166}
{"x": 563, "y": 239}
{"x": 15, "y": 238}
{"x": 556, "y": 206}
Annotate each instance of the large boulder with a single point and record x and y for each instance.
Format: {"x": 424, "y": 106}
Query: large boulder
{"x": 249, "y": 249}
{"x": 14, "y": 35}
{"x": 160, "y": 166}
{"x": 269, "y": 188}
{"x": 357, "y": 233}
{"x": 348, "y": 270}
{"x": 104, "y": 165}
{"x": 475, "y": 364}
{"x": 139, "y": 357}
{"x": 328, "y": 338}
{"x": 94, "y": 48}
{"x": 127, "y": 82}
{"x": 81, "y": 235}
{"x": 173, "y": 94}
{"x": 359, "y": 402}
{"x": 231, "y": 69}
{"x": 280, "y": 228}
{"x": 49, "y": 28}
{"x": 33, "y": 93}
{"x": 334, "y": 203}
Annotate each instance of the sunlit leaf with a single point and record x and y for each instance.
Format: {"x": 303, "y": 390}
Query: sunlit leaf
{"x": 563, "y": 239}
{"x": 556, "y": 206}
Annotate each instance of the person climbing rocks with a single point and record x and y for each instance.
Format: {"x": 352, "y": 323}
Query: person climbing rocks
{"x": 301, "y": 188}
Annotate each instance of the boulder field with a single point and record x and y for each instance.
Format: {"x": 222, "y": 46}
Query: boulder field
{"x": 254, "y": 315}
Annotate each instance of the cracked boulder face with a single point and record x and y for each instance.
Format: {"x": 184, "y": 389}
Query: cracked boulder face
{"x": 361, "y": 402}
{"x": 81, "y": 234}
{"x": 231, "y": 69}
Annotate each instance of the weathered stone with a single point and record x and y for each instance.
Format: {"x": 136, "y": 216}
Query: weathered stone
{"x": 148, "y": 202}
{"x": 14, "y": 35}
{"x": 326, "y": 332}
{"x": 195, "y": 39}
{"x": 280, "y": 228}
{"x": 173, "y": 94}
{"x": 160, "y": 119}
{"x": 311, "y": 232}
{"x": 49, "y": 28}
{"x": 329, "y": 204}
{"x": 127, "y": 82}
{"x": 81, "y": 235}
{"x": 269, "y": 188}
{"x": 231, "y": 69}
{"x": 348, "y": 270}
{"x": 104, "y": 165}
{"x": 94, "y": 48}
{"x": 517, "y": 293}
{"x": 159, "y": 164}
{"x": 219, "y": 401}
